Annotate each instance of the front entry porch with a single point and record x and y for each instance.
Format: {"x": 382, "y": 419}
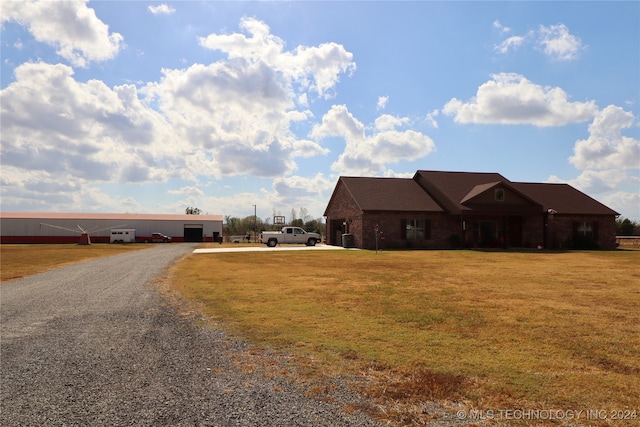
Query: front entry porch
{"x": 493, "y": 232}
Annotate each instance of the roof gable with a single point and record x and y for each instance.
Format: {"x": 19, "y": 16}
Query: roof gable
{"x": 478, "y": 190}
{"x": 499, "y": 197}
{"x": 450, "y": 189}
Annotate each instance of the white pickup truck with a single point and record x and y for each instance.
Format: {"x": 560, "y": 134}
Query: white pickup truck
{"x": 289, "y": 235}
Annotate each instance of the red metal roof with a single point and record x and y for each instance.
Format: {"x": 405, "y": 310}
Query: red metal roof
{"x": 116, "y": 216}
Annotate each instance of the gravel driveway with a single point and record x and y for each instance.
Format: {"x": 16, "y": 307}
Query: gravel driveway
{"x": 94, "y": 344}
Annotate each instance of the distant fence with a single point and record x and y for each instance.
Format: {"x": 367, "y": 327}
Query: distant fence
{"x": 628, "y": 241}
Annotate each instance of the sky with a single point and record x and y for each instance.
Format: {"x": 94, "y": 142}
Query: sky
{"x": 243, "y": 107}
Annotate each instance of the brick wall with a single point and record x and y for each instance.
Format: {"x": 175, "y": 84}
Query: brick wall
{"x": 342, "y": 207}
{"x": 561, "y": 230}
{"x": 390, "y": 224}
{"x": 533, "y": 231}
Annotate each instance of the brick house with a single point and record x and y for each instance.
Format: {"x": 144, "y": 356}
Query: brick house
{"x": 465, "y": 209}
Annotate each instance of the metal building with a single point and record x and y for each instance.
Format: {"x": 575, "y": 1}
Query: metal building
{"x": 41, "y": 227}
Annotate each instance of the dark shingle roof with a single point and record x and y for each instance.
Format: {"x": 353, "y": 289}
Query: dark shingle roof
{"x": 450, "y": 189}
{"x": 389, "y": 194}
{"x": 563, "y": 198}
{"x": 435, "y": 191}
{"x": 478, "y": 189}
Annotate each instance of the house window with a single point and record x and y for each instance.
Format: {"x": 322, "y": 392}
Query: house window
{"x": 416, "y": 229}
{"x": 499, "y": 193}
{"x": 584, "y": 229}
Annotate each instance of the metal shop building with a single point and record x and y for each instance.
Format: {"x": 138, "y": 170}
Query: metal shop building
{"x": 40, "y": 227}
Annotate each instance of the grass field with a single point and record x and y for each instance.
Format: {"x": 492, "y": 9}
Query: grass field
{"x": 490, "y": 330}
{"x": 18, "y": 261}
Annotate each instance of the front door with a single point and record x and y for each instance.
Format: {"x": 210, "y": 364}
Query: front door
{"x": 336, "y": 231}
{"x": 515, "y": 232}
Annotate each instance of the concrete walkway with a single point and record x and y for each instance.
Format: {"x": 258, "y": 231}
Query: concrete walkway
{"x": 265, "y": 248}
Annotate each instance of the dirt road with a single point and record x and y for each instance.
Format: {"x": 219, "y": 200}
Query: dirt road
{"x": 95, "y": 344}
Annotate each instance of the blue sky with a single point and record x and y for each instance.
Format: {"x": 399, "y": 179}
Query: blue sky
{"x": 150, "y": 107}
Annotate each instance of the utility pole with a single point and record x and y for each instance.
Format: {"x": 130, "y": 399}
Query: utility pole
{"x": 255, "y": 220}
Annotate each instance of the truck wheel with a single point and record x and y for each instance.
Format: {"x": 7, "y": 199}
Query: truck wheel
{"x": 272, "y": 243}
{"x": 311, "y": 242}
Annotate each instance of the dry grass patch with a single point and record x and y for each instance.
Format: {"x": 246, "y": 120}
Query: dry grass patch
{"x": 18, "y": 261}
{"x": 491, "y": 329}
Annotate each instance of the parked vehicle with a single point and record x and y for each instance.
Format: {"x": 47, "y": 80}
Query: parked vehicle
{"x": 160, "y": 238}
{"x": 289, "y": 235}
{"x": 122, "y": 235}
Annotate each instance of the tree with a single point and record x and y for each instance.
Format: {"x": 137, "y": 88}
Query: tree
{"x": 242, "y": 226}
{"x": 315, "y": 225}
{"x": 626, "y": 227}
{"x": 192, "y": 211}
{"x": 231, "y": 226}
{"x": 238, "y": 226}
{"x": 304, "y": 215}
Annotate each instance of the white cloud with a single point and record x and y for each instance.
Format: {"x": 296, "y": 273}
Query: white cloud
{"x": 606, "y": 147}
{"x": 303, "y": 100}
{"x": 71, "y": 27}
{"x": 627, "y": 204}
{"x": 162, "y": 9}
{"x": 57, "y": 126}
{"x": 594, "y": 182}
{"x": 368, "y": 154}
{"x": 315, "y": 68}
{"x": 387, "y": 122}
{"x": 555, "y": 41}
{"x": 512, "y": 99}
{"x": 431, "y": 118}
{"x": 512, "y": 43}
{"x": 231, "y": 117}
{"x": 285, "y": 194}
{"x": 382, "y": 102}
{"x": 295, "y": 192}
{"x": 558, "y": 43}
{"x": 297, "y": 188}
{"x": 189, "y": 191}
{"x": 497, "y": 25}
{"x": 390, "y": 173}
{"x": 605, "y": 186}
{"x": 338, "y": 122}
{"x": 38, "y": 191}
{"x": 237, "y": 113}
